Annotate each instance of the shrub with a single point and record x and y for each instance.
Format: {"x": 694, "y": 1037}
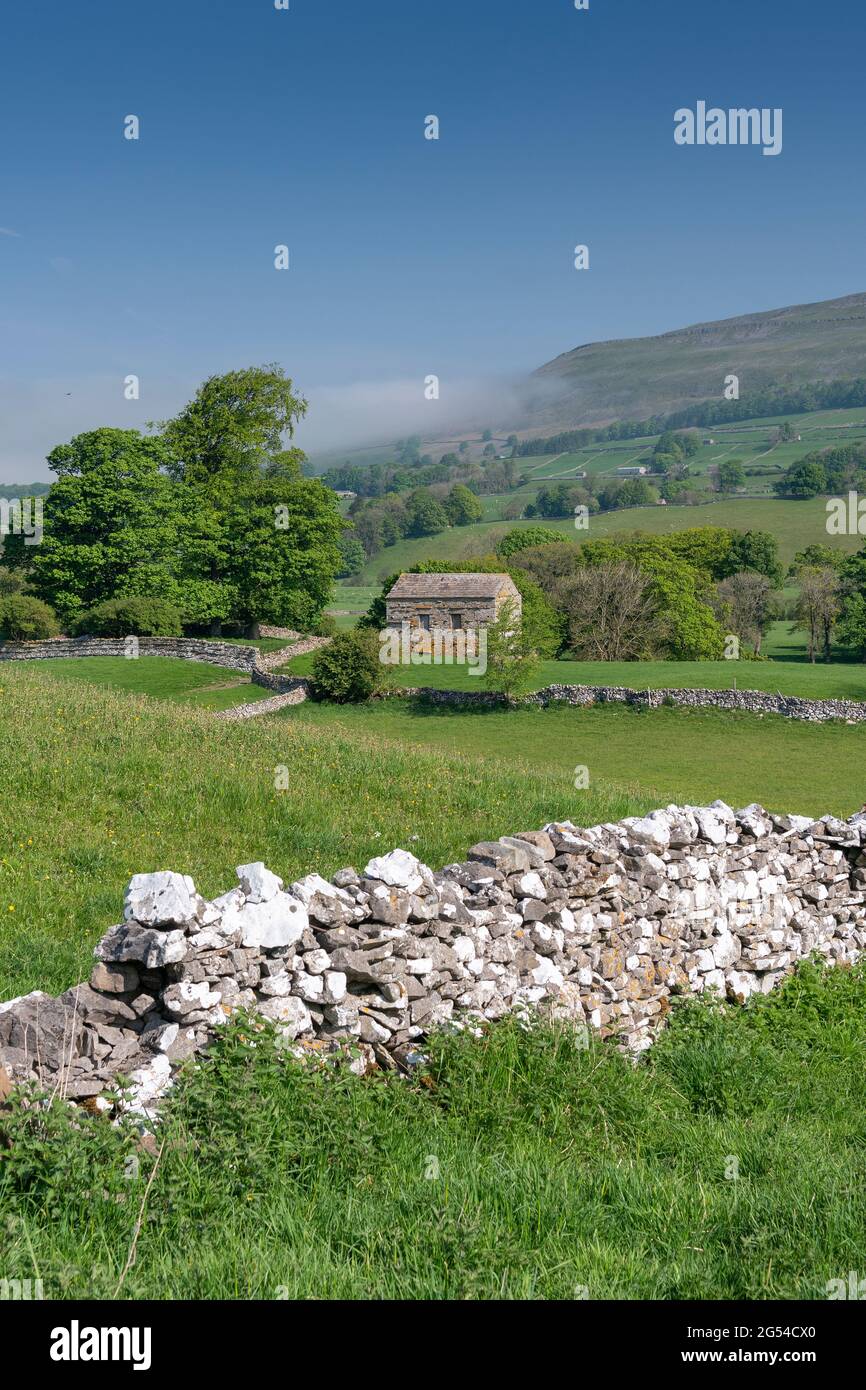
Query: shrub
{"x": 512, "y": 660}
{"x": 325, "y": 626}
{"x": 121, "y": 617}
{"x": 25, "y": 619}
{"x": 11, "y": 581}
{"x": 513, "y": 541}
{"x": 348, "y": 670}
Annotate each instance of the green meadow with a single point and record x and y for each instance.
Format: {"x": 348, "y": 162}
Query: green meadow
{"x": 515, "y": 1165}
{"x": 654, "y": 756}
{"x": 189, "y": 682}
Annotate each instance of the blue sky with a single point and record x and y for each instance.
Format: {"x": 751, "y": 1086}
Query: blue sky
{"x": 409, "y": 256}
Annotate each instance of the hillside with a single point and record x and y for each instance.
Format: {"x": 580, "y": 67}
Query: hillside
{"x": 635, "y": 378}
{"x": 794, "y": 524}
{"x": 24, "y": 489}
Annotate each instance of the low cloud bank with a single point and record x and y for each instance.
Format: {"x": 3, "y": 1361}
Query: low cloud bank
{"x": 38, "y": 415}
{"x": 378, "y": 412}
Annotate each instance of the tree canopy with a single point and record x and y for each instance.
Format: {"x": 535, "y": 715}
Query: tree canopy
{"x": 211, "y": 513}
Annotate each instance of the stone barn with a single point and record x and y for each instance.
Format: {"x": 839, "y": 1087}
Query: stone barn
{"x": 449, "y": 602}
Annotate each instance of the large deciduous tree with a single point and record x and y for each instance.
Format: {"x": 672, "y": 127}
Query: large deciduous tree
{"x": 425, "y": 516}
{"x": 462, "y": 507}
{"x": 852, "y": 620}
{"x": 818, "y": 606}
{"x": 284, "y": 550}
{"x": 114, "y": 522}
{"x": 748, "y": 605}
{"x": 212, "y": 514}
{"x": 612, "y": 612}
{"x": 266, "y": 536}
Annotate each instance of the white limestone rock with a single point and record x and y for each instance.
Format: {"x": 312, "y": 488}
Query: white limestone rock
{"x": 529, "y": 885}
{"x": 316, "y": 962}
{"x": 726, "y": 950}
{"x": 653, "y": 830}
{"x": 291, "y": 1013}
{"x": 147, "y": 1085}
{"x": 276, "y": 986}
{"x": 151, "y": 948}
{"x": 711, "y": 826}
{"x": 399, "y": 869}
{"x": 280, "y": 921}
{"x": 755, "y": 819}
{"x": 162, "y": 1036}
{"x": 335, "y": 987}
{"x": 326, "y": 904}
{"x": 258, "y": 884}
{"x": 546, "y": 973}
{"x": 187, "y": 997}
{"x": 162, "y": 900}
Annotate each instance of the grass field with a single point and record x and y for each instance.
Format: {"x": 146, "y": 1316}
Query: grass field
{"x": 191, "y": 682}
{"x": 838, "y": 680}
{"x": 657, "y": 756}
{"x": 517, "y": 1165}
{"x": 349, "y": 601}
{"x": 112, "y": 783}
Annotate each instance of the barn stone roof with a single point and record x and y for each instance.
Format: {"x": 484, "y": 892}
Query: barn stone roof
{"x": 451, "y": 586}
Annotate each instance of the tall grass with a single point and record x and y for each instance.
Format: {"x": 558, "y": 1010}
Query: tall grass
{"x": 727, "y": 1164}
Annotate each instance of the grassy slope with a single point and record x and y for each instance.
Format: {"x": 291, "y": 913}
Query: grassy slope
{"x": 794, "y": 524}
{"x": 110, "y": 784}
{"x": 192, "y": 682}
{"x": 525, "y": 1168}
{"x": 657, "y": 757}
{"x": 632, "y": 379}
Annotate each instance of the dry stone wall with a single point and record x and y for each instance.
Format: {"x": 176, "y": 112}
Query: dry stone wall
{"x": 212, "y": 652}
{"x": 234, "y": 656}
{"x": 260, "y": 667}
{"x": 744, "y": 701}
{"x": 600, "y": 926}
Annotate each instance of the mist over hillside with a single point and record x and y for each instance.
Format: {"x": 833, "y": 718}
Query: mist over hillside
{"x": 597, "y": 383}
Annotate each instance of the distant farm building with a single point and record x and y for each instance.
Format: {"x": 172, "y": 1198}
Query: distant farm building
{"x": 432, "y": 602}
{"x": 637, "y": 471}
